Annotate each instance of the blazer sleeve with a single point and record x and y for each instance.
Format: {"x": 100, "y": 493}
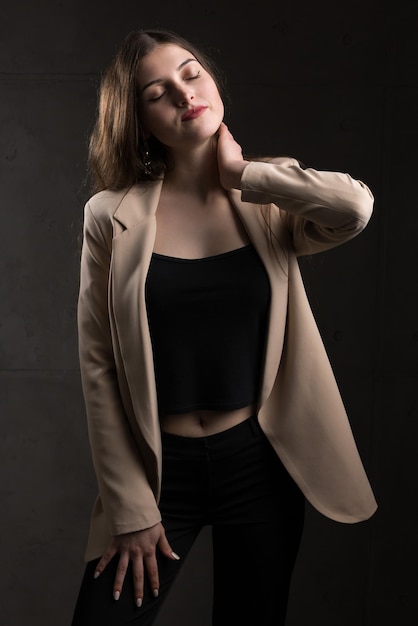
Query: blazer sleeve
{"x": 321, "y": 209}
{"x": 127, "y": 499}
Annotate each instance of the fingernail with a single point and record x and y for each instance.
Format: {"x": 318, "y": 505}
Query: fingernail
{"x": 175, "y": 556}
{"x": 139, "y": 602}
{"x": 155, "y": 593}
{"x": 96, "y": 574}
{"x": 116, "y": 595}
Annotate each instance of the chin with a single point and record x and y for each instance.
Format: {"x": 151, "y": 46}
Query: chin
{"x": 211, "y": 129}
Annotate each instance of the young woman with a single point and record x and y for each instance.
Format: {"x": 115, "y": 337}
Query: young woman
{"x": 209, "y": 395}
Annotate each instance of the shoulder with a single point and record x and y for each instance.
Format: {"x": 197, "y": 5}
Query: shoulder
{"x": 125, "y": 207}
{"x": 104, "y": 204}
{"x": 99, "y": 214}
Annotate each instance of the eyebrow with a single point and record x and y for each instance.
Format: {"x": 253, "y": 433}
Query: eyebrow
{"x": 160, "y": 80}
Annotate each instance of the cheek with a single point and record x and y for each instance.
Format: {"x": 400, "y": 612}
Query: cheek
{"x": 217, "y": 101}
{"x": 151, "y": 121}
{"x": 219, "y": 110}
{"x": 156, "y": 124}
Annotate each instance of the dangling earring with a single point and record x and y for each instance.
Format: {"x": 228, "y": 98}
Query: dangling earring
{"x": 147, "y": 161}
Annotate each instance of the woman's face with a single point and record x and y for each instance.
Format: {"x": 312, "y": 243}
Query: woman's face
{"x": 179, "y": 101}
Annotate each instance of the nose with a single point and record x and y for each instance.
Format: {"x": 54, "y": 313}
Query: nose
{"x": 184, "y": 95}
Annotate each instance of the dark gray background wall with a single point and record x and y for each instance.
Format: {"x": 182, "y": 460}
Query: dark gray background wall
{"x": 332, "y": 83}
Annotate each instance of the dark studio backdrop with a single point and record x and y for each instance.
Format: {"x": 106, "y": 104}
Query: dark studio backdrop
{"x": 331, "y": 83}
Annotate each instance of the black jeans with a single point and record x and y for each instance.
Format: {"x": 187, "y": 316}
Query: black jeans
{"x": 234, "y": 482}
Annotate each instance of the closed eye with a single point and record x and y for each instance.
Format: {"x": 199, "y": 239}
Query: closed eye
{"x": 194, "y": 77}
{"x": 157, "y": 97}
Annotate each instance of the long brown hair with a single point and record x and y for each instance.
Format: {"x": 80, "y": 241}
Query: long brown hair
{"x": 117, "y": 144}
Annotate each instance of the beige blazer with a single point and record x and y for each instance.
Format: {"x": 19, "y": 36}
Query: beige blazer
{"x": 287, "y": 211}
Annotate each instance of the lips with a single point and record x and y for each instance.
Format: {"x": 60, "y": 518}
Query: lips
{"x": 191, "y": 114}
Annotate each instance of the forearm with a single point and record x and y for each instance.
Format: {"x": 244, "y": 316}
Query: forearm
{"x": 320, "y": 209}
{"x": 328, "y": 198}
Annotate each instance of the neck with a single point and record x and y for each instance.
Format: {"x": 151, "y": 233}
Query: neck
{"x": 195, "y": 171}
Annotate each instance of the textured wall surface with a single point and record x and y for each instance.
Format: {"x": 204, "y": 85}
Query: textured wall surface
{"x": 331, "y": 83}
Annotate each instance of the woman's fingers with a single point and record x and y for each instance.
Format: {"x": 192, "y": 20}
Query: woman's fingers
{"x": 105, "y": 560}
{"x": 139, "y": 548}
{"x": 152, "y": 573}
{"x": 120, "y": 575}
{"x": 165, "y": 548}
{"x": 138, "y": 579}
{"x": 230, "y": 160}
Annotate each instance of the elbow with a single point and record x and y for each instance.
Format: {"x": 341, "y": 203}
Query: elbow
{"x": 356, "y": 226}
{"x": 363, "y": 207}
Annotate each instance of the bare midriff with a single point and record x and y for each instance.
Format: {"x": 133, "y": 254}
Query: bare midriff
{"x": 204, "y": 423}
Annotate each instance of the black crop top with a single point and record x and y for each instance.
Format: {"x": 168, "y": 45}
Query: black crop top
{"x": 207, "y": 320}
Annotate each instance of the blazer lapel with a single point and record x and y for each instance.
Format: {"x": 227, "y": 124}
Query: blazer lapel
{"x": 139, "y": 203}
{"x": 271, "y": 248}
{"x": 132, "y": 250}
